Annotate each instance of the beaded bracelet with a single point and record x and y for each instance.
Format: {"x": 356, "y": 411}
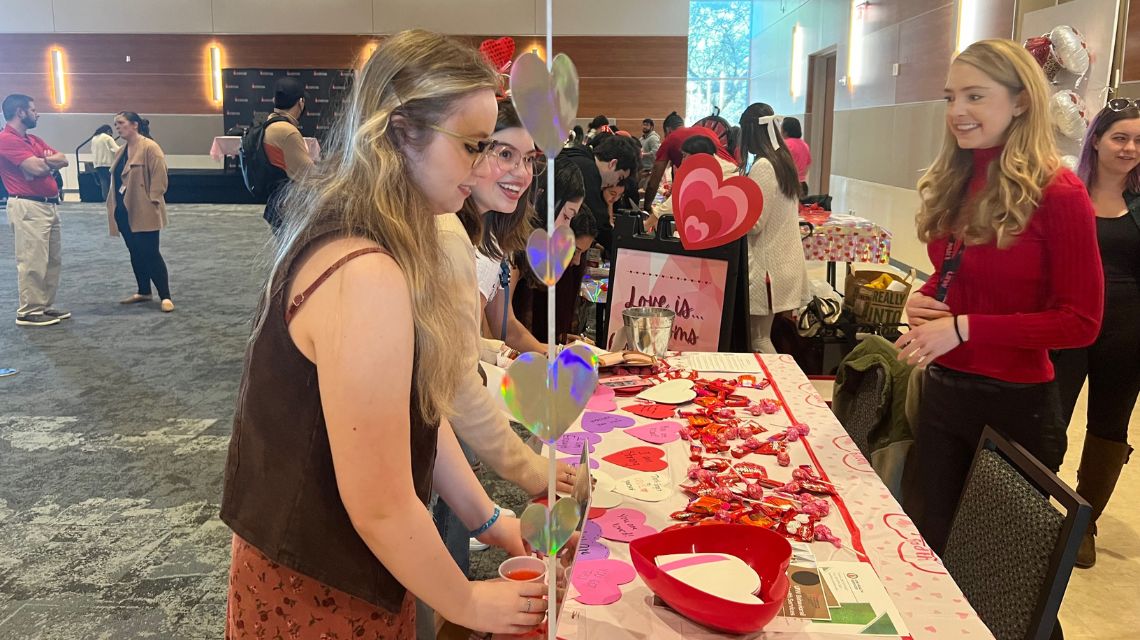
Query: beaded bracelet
{"x": 487, "y": 525}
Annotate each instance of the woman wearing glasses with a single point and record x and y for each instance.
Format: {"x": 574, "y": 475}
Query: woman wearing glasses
{"x": 497, "y": 217}
{"x": 329, "y": 472}
{"x": 1110, "y": 168}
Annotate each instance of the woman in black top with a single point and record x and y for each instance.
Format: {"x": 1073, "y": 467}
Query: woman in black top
{"x": 1110, "y": 167}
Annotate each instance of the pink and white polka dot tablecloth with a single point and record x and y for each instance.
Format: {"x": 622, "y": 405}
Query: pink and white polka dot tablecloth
{"x": 871, "y": 524}
{"x": 847, "y": 238}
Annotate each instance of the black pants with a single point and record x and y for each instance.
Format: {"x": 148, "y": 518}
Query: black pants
{"x": 1112, "y": 365}
{"x": 146, "y": 260}
{"x": 955, "y": 408}
{"x": 103, "y": 174}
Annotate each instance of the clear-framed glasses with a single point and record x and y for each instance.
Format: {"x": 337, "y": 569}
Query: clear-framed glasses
{"x": 1120, "y": 104}
{"x": 508, "y": 158}
{"x": 475, "y": 147}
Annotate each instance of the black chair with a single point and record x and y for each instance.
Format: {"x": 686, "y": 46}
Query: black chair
{"x": 861, "y": 403}
{"x": 1010, "y": 550}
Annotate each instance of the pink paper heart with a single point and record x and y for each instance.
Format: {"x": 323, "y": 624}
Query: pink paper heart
{"x": 710, "y": 210}
{"x": 598, "y": 581}
{"x": 549, "y": 256}
{"x": 624, "y": 525}
{"x": 604, "y": 399}
{"x": 595, "y": 422}
{"x": 590, "y": 546}
{"x": 657, "y": 432}
{"x": 639, "y": 459}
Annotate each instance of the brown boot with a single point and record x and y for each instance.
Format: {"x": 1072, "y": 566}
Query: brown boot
{"x": 1101, "y": 462}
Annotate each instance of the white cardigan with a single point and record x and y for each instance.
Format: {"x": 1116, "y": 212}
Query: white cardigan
{"x": 775, "y": 250}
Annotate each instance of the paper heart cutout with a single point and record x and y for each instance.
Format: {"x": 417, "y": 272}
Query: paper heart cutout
{"x": 639, "y": 459}
{"x": 670, "y": 392}
{"x": 624, "y": 525}
{"x": 651, "y": 410}
{"x": 524, "y": 389}
{"x": 574, "y": 462}
{"x": 710, "y": 210}
{"x": 548, "y": 530}
{"x": 546, "y": 101}
{"x": 549, "y": 256}
{"x": 603, "y": 481}
{"x": 657, "y": 432}
{"x": 595, "y": 422}
{"x": 603, "y": 399}
{"x": 572, "y": 443}
{"x": 719, "y": 574}
{"x": 605, "y": 499}
{"x": 647, "y": 487}
{"x": 590, "y": 546}
{"x": 598, "y": 581}
{"x": 499, "y": 52}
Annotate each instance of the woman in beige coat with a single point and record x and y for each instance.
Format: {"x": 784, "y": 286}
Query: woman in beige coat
{"x": 135, "y": 206}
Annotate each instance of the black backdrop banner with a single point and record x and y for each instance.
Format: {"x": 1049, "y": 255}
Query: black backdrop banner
{"x": 247, "y": 96}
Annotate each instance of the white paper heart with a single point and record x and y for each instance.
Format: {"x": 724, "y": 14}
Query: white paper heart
{"x": 720, "y": 574}
{"x": 670, "y": 392}
{"x": 605, "y": 499}
{"x": 647, "y": 487}
{"x": 550, "y": 255}
{"x": 602, "y": 480}
{"x": 547, "y": 101}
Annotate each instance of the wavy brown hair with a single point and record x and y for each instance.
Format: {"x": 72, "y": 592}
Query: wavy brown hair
{"x": 1016, "y": 180}
{"x": 363, "y": 187}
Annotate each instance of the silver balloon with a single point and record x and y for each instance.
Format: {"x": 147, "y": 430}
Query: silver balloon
{"x": 1071, "y": 50}
{"x": 1068, "y": 112}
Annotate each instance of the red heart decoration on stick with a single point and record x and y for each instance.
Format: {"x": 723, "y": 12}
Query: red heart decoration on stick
{"x": 710, "y": 210}
{"x": 652, "y": 410}
{"x": 499, "y": 52}
{"x": 639, "y": 459}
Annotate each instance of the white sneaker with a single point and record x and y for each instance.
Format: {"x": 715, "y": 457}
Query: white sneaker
{"x": 475, "y": 545}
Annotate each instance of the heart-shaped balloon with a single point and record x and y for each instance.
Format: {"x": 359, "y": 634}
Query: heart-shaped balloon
{"x": 548, "y": 530}
{"x": 499, "y": 52}
{"x": 547, "y": 101}
{"x": 548, "y": 412}
{"x": 549, "y": 256}
{"x": 710, "y": 210}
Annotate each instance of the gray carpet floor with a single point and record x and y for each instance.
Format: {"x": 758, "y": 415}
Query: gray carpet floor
{"x": 113, "y": 434}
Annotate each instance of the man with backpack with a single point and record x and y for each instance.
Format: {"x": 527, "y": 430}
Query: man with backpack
{"x": 274, "y": 153}
{"x": 669, "y": 153}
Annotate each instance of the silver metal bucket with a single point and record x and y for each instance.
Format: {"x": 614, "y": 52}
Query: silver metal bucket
{"x": 648, "y": 329}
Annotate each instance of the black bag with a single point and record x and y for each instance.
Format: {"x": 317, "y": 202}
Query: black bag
{"x": 260, "y": 177}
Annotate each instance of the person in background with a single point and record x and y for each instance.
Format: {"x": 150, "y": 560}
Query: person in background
{"x": 329, "y": 472}
{"x": 650, "y": 142}
{"x": 577, "y": 137}
{"x": 599, "y": 123}
{"x": 136, "y": 209}
{"x": 1110, "y": 168}
{"x": 801, "y": 154}
{"x": 777, "y": 270}
{"x": 284, "y": 145}
{"x": 669, "y": 153}
{"x": 103, "y": 148}
{"x": 26, "y": 166}
{"x": 709, "y": 144}
{"x": 1012, "y": 236}
{"x": 607, "y": 165}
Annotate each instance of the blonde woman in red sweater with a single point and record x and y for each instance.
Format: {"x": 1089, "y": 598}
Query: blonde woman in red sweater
{"x": 1012, "y": 237}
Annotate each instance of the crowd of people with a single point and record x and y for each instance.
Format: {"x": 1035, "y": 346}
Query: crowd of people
{"x": 400, "y": 257}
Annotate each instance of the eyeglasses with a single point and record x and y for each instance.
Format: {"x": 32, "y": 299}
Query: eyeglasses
{"x": 508, "y": 158}
{"x": 1120, "y": 104}
{"x": 480, "y": 149}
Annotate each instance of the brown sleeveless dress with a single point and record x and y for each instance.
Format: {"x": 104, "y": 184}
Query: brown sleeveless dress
{"x": 299, "y": 569}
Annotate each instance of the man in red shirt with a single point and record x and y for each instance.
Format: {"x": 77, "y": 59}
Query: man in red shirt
{"x": 669, "y": 153}
{"x": 26, "y": 166}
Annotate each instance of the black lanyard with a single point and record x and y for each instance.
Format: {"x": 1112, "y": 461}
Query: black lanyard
{"x": 505, "y": 283}
{"x": 950, "y": 263}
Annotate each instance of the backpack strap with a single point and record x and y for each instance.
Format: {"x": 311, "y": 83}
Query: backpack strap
{"x": 299, "y": 299}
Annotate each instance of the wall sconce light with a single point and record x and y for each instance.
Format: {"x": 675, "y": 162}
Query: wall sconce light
{"x": 967, "y": 25}
{"x": 538, "y": 50}
{"x": 58, "y": 77}
{"x": 216, "y": 73}
{"x": 855, "y": 43}
{"x": 796, "y": 86}
{"x": 369, "y": 49}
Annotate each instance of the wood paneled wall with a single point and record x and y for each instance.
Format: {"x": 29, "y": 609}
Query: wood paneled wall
{"x": 1130, "y": 71}
{"x": 627, "y": 78}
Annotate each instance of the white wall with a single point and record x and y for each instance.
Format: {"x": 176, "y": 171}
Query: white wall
{"x": 508, "y": 17}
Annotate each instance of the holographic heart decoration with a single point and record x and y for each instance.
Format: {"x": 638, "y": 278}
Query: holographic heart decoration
{"x": 548, "y": 530}
{"x": 550, "y": 255}
{"x": 549, "y": 412}
{"x": 547, "y": 101}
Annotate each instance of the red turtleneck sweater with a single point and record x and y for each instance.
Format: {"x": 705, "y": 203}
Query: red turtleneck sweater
{"x": 1044, "y": 292}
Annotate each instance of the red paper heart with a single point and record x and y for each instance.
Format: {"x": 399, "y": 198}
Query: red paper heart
{"x": 499, "y": 52}
{"x": 710, "y": 210}
{"x": 639, "y": 459}
{"x": 651, "y": 410}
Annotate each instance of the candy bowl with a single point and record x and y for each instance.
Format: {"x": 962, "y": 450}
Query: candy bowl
{"x": 766, "y": 552}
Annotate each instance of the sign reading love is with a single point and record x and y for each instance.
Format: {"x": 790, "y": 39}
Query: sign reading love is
{"x": 710, "y": 210}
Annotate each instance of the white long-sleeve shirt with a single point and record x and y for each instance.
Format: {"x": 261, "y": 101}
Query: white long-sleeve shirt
{"x": 104, "y": 148}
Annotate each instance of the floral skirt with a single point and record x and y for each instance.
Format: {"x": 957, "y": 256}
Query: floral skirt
{"x": 267, "y": 600}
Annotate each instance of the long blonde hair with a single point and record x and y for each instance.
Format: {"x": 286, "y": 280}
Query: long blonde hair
{"x": 1016, "y": 180}
{"x": 363, "y": 188}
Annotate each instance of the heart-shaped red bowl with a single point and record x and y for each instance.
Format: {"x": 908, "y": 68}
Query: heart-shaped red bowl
{"x": 767, "y": 552}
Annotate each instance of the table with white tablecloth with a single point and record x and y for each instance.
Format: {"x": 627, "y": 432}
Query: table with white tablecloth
{"x": 229, "y": 146}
